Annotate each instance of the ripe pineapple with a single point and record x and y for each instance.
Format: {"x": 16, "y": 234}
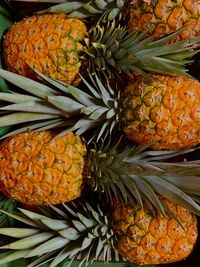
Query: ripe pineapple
{"x": 162, "y": 111}
{"x": 50, "y": 43}
{"x": 143, "y": 238}
{"x": 159, "y": 110}
{"x": 41, "y": 168}
{"x": 37, "y": 168}
{"x": 88, "y": 232}
{"x": 62, "y": 48}
{"x": 167, "y": 17}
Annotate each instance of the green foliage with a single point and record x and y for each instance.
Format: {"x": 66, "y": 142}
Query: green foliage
{"x": 57, "y": 234}
{"x": 46, "y": 107}
{"x": 112, "y": 50}
{"x": 104, "y": 9}
{"x": 9, "y": 206}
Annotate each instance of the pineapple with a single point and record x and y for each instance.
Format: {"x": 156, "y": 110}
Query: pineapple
{"x": 37, "y": 168}
{"x": 143, "y": 238}
{"x": 62, "y": 47}
{"x": 42, "y": 168}
{"x": 166, "y": 16}
{"x": 50, "y": 43}
{"x": 90, "y": 232}
{"x": 162, "y": 111}
{"x": 158, "y": 110}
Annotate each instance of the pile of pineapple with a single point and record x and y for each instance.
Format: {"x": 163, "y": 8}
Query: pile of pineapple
{"x": 100, "y": 132}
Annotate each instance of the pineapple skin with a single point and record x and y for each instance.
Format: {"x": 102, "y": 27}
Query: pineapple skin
{"x": 167, "y": 16}
{"x": 38, "y": 169}
{"x": 143, "y": 238}
{"x": 50, "y": 43}
{"x": 162, "y": 112}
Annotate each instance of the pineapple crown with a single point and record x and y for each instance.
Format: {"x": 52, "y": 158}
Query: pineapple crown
{"x": 138, "y": 175}
{"x": 101, "y": 10}
{"x": 56, "y": 234}
{"x": 112, "y": 50}
{"x": 45, "y": 107}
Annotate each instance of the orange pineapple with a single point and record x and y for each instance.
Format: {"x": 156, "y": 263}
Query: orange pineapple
{"x": 143, "y": 238}
{"x": 37, "y": 168}
{"x": 167, "y": 16}
{"x": 162, "y": 111}
{"x": 50, "y": 43}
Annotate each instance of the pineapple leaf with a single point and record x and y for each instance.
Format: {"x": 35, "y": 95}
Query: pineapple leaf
{"x": 173, "y": 193}
{"x": 47, "y": 124}
{"x": 104, "y": 9}
{"x": 91, "y": 88}
{"x": 20, "y": 117}
{"x": 18, "y": 233}
{"x": 62, "y": 213}
{"x": 103, "y": 131}
{"x": 79, "y": 225}
{"x": 189, "y": 184}
{"x": 105, "y": 94}
{"x": 33, "y": 87}
{"x": 90, "y": 109}
{"x": 83, "y": 125}
{"x": 33, "y": 215}
{"x": 50, "y": 245}
{"x": 68, "y": 209}
{"x": 69, "y": 233}
{"x": 148, "y": 191}
{"x": 16, "y": 98}
{"x": 66, "y": 104}
{"x": 55, "y": 83}
{"x": 59, "y": 109}
{"x": 56, "y": 225}
{"x": 80, "y": 96}
{"x": 131, "y": 190}
{"x": 98, "y": 113}
{"x": 87, "y": 222}
{"x": 14, "y": 256}
{"x": 21, "y": 218}
{"x": 42, "y": 260}
{"x": 87, "y": 241}
{"x": 94, "y": 214}
{"x": 33, "y": 106}
{"x": 64, "y": 254}
{"x": 28, "y": 242}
